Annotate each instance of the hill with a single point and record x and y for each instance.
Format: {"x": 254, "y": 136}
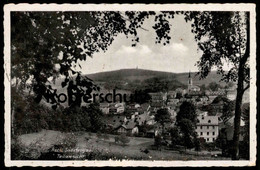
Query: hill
{"x": 129, "y": 74}
{"x": 140, "y": 74}
{"x": 130, "y": 79}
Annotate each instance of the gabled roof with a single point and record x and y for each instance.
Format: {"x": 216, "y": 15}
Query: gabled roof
{"x": 129, "y": 125}
{"x": 115, "y": 120}
{"x": 207, "y": 120}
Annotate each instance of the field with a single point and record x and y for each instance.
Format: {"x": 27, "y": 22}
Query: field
{"x": 89, "y": 142}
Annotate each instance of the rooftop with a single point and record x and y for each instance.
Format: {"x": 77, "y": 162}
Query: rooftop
{"x": 207, "y": 120}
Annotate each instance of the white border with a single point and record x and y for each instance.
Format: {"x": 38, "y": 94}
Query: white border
{"x": 133, "y": 7}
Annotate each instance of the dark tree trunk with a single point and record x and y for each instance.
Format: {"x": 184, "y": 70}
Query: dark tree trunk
{"x": 239, "y": 97}
{"x": 240, "y": 92}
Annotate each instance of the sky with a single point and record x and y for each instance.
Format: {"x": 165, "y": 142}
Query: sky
{"x": 178, "y": 56}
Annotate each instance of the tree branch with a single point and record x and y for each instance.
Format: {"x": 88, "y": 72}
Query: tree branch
{"x": 130, "y": 21}
{"x": 247, "y": 87}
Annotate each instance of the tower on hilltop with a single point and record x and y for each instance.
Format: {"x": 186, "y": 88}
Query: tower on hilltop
{"x": 189, "y": 82}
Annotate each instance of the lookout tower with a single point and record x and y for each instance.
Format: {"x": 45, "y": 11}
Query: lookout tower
{"x": 189, "y": 82}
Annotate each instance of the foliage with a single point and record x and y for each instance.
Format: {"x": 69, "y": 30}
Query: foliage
{"x": 175, "y": 136}
{"x": 142, "y": 96}
{"x": 16, "y": 148}
{"x": 220, "y": 99}
{"x": 186, "y": 123}
{"x": 244, "y": 146}
{"x": 187, "y": 111}
{"x": 228, "y": 110}
{"x": 95, "y": 115}
{"x": 188, "y": 133}
{"x": 144, "y": 128}
{"x": 47, "y": 44}
{"x": 228, "y": 107}
{"x": 161, "y": 84}
{"x": 123, "y": 139}
{"x": 214, "y": 86}
{"x": 203, "y": 87}
{"x": 179, "y": 95}
{"x": 197, "y": 144}
{"x": 221, "y": 142}
{"x": 33, "y": 117}
{"x": 162, "y": 116}
{"x": 225, "y": 37}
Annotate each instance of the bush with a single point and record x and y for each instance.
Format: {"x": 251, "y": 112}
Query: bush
{"x": 124, "y": 139}
{"x": 15, "y": 149}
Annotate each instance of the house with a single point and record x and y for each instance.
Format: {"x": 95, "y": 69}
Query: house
{"x": 115, "y": 120}
{"x": 120, "y": 105}
{"x": 201, "y": 113}
{"x": 120, "y": 109}
{"x": 128, "y": 127}
{"x": 171, "y": 95}
{"x": 143, "y": 108}
{"x": 193, "y": 88}
{"x": 104, "y": 107}
{"x": 207, "y": 127}
{"x": 172, "y": 102}
{"x": 142, "y": 119}
{"x": 173, "y": 114}
{"x": 150, "y": 133}
{"x": 137, "y": 106}
{"x": 158, "y": 97}
{"x": 157, "y": 105}
{"x": 112, "y": 110}
{"x": 150, "y": 121}
{"x": 216, "y": 93}
{"x": 131, "y": 109}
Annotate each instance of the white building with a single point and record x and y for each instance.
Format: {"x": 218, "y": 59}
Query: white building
{"x": 207, "y": 127}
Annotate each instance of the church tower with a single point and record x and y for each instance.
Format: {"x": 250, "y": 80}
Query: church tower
{"x": 189, "y": 82}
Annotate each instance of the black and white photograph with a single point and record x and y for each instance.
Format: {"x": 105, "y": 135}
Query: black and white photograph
{"x": 130, "y": 84}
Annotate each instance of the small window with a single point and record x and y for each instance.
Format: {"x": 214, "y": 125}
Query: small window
{"x": 207, "y": 133}
{"x": 201, "y": 133}
{"x": 213, "y": 127}
{"x": 209, "y": 121}
{"x": 213, "y": 133}
{"x": 207, "y": 127}
{"x": 200, "y": 127}
{"x": 202, "y": 117}
{"x": 213, "y": 139}
{"x": 207, "y": 139}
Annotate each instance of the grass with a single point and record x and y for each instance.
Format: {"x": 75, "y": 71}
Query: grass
{"x": 107, "y": 148}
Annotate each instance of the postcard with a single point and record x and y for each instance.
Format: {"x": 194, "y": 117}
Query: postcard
{"x": 148, "y": 85}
